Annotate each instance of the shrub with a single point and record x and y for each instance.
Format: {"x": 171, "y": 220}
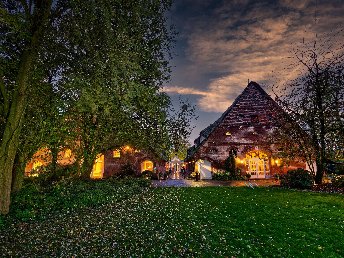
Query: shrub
{"x": 221, "y": 175}
{"x": 338, "y": 181}
{"x": 149, "y": 174}
{"x": 46, "y": 177}
{"x": 2, "y": 221}
{"x": 337, "y": 169}
{"x": 127, "y": 170}
{"x": 298, "y": 178}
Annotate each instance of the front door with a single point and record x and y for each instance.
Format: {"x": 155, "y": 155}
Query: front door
{"x": 98, "y": 167}
{"x": 258, "y": 168}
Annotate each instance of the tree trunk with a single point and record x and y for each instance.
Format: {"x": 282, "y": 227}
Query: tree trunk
{"x": 10, "y": 137}
{"x": 54, "y": 153}
{"x": 87, "y": 163}
{"x": 320, "y": 171}
{"x": 18, "y": 172}
{"x": 87, "y": 166}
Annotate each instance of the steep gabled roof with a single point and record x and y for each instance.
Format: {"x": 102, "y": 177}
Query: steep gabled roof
{"x": 205, "y": 133}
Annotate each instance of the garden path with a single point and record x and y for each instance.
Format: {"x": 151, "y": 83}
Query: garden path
{"x": 201, "y": 183}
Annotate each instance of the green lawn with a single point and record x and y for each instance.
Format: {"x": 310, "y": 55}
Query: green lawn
{"x": 187, "y": 222}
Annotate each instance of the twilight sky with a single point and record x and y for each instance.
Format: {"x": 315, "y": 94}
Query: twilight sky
{"x": 223, "y": 43}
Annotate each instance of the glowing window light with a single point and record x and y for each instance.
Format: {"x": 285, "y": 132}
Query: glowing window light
{"x": 147, "y": 165}
{"x": 37, "y": 164}
{"x": 116, "y": 154}
{"x": 67, "y": 154}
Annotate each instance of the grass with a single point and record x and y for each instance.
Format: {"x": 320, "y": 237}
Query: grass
{"x": 187, "y": 222}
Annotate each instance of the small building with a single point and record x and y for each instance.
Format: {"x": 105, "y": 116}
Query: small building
{"x": 246, "y": 128}
{"x": 108, "y": 163}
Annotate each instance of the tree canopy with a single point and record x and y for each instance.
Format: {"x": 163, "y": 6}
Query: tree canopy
{"x": 84, "y": 73}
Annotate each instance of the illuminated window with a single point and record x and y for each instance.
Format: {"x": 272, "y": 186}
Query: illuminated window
{"x": 127, "y": 148}
{"x": 116, "y": 154}
{"x": 147, "y": 165}
{"x": 228, "y": 134}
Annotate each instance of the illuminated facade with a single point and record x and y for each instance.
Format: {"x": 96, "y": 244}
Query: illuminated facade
{"x": 109, "y": 163}
{"x": 245, "y": 128}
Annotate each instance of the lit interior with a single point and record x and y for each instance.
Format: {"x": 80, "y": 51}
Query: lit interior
{"x": 98, "y": 167}
{"x": 257, "y": 164}
{"x": 116, "y": 154}
{"x": 147, "y": 165}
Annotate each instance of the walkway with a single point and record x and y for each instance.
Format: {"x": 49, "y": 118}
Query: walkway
{"x": 201, "y": 183}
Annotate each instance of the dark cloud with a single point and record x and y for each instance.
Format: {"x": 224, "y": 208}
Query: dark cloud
{"x": 222, "y": 44}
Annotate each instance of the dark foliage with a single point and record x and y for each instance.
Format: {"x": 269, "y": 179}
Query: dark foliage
{"x": 333, "y": 168}
{"x": 127, "y": 170}
{"x": 35, "y": 202}
{"x": 338, "y": 181}
{"x": 149, "y": 174}
{"x": 298, "y": 178}
{"x": 46, "y": 177}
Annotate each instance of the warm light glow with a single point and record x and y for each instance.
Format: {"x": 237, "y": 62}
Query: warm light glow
{"x": 238, "y": 160}
{"x": 98, "y": 167}
{"x": 147, "y": 165}
{"x": 67, "y": 154}
{"x": 116, "y": 154}
{"x": 228, "y": 133}
{"x": 37, "y": 164}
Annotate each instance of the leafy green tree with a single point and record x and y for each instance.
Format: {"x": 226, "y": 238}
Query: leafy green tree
{"x": 113, "y": 46}
{"x": 23, "y": 26}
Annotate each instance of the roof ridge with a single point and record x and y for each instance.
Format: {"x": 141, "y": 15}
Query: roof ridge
{"x": 208, "y": 130}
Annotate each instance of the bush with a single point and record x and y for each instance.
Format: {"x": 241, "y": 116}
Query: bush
{"x": 2, "y": 221}
{"x": 149, "y": 174}
{"x": 127, "y": 170}
{"x": 338, "y": 181}
{"x": 46, "y": 177}
{"x": 298, "y": 178}
{"x": 337, "y": 169}
{"x": 226, "y": 175}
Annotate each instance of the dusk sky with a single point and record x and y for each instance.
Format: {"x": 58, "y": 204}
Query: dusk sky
{"x": 222, "y": 44}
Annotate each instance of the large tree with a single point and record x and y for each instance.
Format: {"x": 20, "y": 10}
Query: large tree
{"x": 22, "y": 31}
{"x": 115, "y": 49}
{"x": 315, "y": 100}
